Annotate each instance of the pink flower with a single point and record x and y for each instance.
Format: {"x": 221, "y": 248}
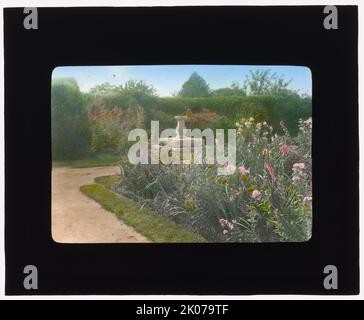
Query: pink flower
{"x": 256, "y": 194}
{"x": 243, "y": 170}
{"x": 296, "y": 178}
{"x": 284, "y": 149}
{"x": 230, "y": 169}
{"x": 225, "y": 231}
{"x": 299, "y": 166}
{"x": 307, "y": 199}
{"x": 223, "y": 222}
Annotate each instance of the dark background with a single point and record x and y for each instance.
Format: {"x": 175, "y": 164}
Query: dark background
{"x": 181, "y": 35}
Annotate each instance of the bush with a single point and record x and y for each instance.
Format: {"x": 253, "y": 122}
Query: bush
{"x": 132, "y": 94}
{"x": 225, "y": 110}
{"x": 263, "y": 108}
{"x": 204, "y": 119}
{"x": 110, "y": 127}
{"x": 71, "y": 133}
{"x": 106, "y": 129}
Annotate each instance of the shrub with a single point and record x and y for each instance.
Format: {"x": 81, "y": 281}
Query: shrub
{"x": 71, "y": 133}
{"x": 225, "y": 110}
{"x": 213, "y": 112}
{"x": 263, "y": 108}
{"x": 132, "y": 94}
{"x": 110, "y": 127}
{"x": 203, "y": 119}
{"x": 106, "y": 128}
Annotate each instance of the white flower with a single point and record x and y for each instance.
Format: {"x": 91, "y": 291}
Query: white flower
{"x": 256, "y": 194}
{"x": 229, "y": 169}
{"x": 308, "y": 121}
{"x": 307, "y": 199}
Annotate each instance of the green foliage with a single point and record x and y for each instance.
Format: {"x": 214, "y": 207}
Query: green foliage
{"x": 103, "y": 89}
{"x": 231, "y": 108}
{"x": 281, "y": 171}
{"x": 263, "y": 108}
{"x": 233, "y": 90}
{"x": 92, "y": 160}
{"x": 108, "y": 181}
{"x": 195, "y": 86}
{"x": 110, "y": 127}
{"x": 264, "y": 83}
{"x": 106, "y": 129}
{"x": 114, "y": 110}
{"x": 132, "y": 94}
{"x": 267, "y": 199}
{"x": 71, "y": 134}
{"x": 152, "y": 226}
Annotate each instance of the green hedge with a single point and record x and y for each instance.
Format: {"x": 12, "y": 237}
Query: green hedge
{"x": 233, "y": 108}
{"x": 71, "y": 130}
{"x": 262, "y": 108}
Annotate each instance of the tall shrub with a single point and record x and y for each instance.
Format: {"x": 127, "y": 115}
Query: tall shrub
{"x": 71, "y": 134}
{"x": 263, "y": 108}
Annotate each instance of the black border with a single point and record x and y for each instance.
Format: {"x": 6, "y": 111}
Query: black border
{"x": 181, "y": 35}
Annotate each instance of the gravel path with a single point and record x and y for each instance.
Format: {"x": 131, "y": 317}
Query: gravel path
{"x": 78, "y": 219}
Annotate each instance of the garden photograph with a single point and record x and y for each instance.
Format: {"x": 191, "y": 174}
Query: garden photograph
{"x": 181, "y": 154}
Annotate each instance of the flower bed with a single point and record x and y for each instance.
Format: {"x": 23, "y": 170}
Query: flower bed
{"x": 267, "y": 198}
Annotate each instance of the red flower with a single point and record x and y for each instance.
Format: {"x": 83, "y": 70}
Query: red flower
{"x": 284, "y": 149}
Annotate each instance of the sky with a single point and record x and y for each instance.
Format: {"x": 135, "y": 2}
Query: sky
{"x": 169, "y": 78}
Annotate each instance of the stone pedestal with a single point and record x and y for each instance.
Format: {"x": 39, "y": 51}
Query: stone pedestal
{"x": 180, "y": 125}
{"x": 180, "y": 142}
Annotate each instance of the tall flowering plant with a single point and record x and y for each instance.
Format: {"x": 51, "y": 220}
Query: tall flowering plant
{"x": 280, "y": 182}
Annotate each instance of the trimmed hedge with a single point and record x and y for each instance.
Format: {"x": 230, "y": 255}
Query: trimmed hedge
{"x": 262, "y": 108}
{"x": 232, "y": 108}
{"x": 71, "y": 131}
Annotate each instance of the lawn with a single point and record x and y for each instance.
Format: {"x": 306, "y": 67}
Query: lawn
{"x": 95, "y": 160}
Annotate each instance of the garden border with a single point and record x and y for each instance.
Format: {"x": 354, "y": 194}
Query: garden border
{"x": 155, "y": 228}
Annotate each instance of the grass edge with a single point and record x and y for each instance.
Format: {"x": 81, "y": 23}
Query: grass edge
{"x": 156, "y": 228}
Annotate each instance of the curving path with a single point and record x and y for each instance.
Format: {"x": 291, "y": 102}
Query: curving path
{"x": 78, "y": 219}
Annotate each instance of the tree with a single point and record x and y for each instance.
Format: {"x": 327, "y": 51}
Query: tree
{"x": 233, "y": 90}
{"x": 195, "y": 86}
{"x": 136, "y": 93}
{"x": 71, "y": 132}
{"x": 138, "y": 87}
{"x": 133, "y": 93}
{"x": 263, "y": 82}
{"x": 103, "y": 89}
